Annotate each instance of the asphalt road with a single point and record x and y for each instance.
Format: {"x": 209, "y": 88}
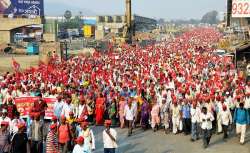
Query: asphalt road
{"x": 159, "y": 142}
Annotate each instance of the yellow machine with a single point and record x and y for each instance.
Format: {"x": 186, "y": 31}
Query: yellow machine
{"x": 127, "y": 33}
{"x": 88, "y": 31}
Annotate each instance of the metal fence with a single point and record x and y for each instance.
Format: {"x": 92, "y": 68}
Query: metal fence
{"x": 81, "y": 43}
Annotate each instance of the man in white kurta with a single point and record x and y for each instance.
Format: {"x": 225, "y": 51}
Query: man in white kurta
{"x": 226, "y": 119}
{"x": 175, "y": 117}
{"x": 206, "y": 126}
{"x": 109, "y": 138}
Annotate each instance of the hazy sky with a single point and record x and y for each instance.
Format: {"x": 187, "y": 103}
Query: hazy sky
{"x": 168, "y": 9}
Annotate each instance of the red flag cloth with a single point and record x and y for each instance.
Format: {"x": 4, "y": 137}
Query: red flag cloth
{"x": 15, "y": 65}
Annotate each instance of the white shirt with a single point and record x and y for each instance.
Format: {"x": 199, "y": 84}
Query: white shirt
{"x": 134, "y": 106}
{"x": 107, "y": 141}
{"x": 206, "y": 121}
{"x": 67, "y": 108}
{"x": 78, "y": 149}
{"x": 80, "y": 109}
{"x": 6, "y": 119}
{"x": 175, "y": 111}
{"x": 14, "y": 122}
{"x": 129, "y": 113}
{"x": 36, "y": 124}
{"x": 171, "y": 85}
{"x": 58, "y": 106}
{"x": 88, "y": 136}
{"x": 229, "y": 101}
{"x": 247, "y": 103}
{"x": 225, "y": 117}
{"x": 219, "y": 106}
{"x": 195, "y": 114}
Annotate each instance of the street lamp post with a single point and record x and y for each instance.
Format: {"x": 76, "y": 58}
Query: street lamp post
{"x": 66, "y": 49}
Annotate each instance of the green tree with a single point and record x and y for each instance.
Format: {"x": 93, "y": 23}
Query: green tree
{"x": 210, "y": 17}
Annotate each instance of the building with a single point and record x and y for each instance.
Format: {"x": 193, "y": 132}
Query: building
{"x": 106, "y": 25}
{"x": 11, "y": 27}
{"x": 239, "y": 24}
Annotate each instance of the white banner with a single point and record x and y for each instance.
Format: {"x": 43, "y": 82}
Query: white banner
{"x": 241, "y": 8}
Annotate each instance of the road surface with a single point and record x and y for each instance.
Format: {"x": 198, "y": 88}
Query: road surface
{"x": 159, "y": 142}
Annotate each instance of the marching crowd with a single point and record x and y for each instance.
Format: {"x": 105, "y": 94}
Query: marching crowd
{"x": 179, "y": 86}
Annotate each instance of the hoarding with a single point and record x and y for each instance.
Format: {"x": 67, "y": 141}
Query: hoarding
{"x": 22, "y": 7}
{"x": 240, "y": 8}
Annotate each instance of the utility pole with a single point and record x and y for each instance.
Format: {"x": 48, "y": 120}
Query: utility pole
{"x": 129, "y": 20}
{"x": 229, "y": 12}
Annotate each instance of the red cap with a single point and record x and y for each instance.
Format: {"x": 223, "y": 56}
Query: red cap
{"x": 80, "y": 120}
{"x": 85, "y": 123}
{"x": 79, "y": 140}
{"x": 54, "y": 118}
{"x": 63, "y": 117}
{"x": 53, "y": 126}
{"x": 224, "y": 107}
{"x": 108, "y": 122}
{"x": 37, "y": 114}
{"x": 238, "y": 97}
{"x": 5, "y": 123}
{"x": 21, "y": 125}
{"x": 71, "y": 113}
{"x": 31, "y": 114}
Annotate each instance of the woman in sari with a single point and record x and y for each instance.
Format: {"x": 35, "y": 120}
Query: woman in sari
{"x": 113, "y": 112}
{"x": 145, "y": 110}
{"x": 122, "y": 104}
{"x": 99, "y": 112}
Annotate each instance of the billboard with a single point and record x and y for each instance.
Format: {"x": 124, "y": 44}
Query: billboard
{"x": 240, "y": 8}
{"x": 22, "y": 7}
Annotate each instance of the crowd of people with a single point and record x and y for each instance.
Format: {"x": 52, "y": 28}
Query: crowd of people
{"x": 179, "y": 86}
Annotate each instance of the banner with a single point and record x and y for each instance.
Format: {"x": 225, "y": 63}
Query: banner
{"x": 24, "y": 105}
{"x": 241, "y": 8}
{"x": 49, "y": 112}
{"x": 22, "y": 7}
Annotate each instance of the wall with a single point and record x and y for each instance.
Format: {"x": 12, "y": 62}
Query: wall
{"x": 5, "y": 37}
{"x": 12, "y": 23}
{"x": 46, "y": 50}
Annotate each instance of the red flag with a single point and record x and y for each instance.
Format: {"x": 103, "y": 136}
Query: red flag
{"x": 15, "y": 65}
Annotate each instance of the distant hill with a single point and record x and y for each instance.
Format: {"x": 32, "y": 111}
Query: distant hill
{"x": 58, "y": 9}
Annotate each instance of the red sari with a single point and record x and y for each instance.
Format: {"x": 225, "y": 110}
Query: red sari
{"x": 99, "y": 111}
